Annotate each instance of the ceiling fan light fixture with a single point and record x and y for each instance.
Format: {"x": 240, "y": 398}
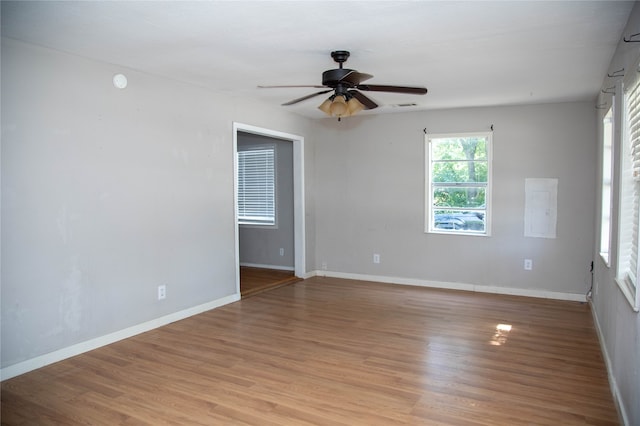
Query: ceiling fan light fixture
{"x": 338, "y": 107}
{"x": 354, "y": 106}
{"x": 326, "y": 105}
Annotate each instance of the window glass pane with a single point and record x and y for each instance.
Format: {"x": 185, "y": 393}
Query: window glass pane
{"x": 458, "y": 189}
{"x": 605, "y": 222}
{"x": 460, "y": 171}
{"x": 459, "y": 148}
{"x": 463, "y": 197}
{"x": 459, "y": 220}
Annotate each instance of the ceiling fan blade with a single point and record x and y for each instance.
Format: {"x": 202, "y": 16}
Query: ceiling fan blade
{"x": 355, "y": 77}
{"x": 304, "y": 98}
{"x": 280, "y": 87}
{"x": 367, "y": 102}
{"x": 392, "y": 89}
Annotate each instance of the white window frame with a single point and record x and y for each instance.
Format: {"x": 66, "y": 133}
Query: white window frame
{"x": 628, "y": 265}
{"x": 430, "y": 185}
{"x": 606, "y": 189}
{"x": 268, "y": 217}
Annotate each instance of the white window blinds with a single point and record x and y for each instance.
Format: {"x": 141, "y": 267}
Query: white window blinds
{"x": 256, "y": 186}
{"x": 630, "y": 194}
{"x": 634, "y": 178}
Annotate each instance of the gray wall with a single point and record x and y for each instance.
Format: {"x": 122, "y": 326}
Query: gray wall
{"x": 108, "y": 193}
{"x": 370, "y": 198}
{"x": 619, "y": 325}
{"x": 259, "y": 245}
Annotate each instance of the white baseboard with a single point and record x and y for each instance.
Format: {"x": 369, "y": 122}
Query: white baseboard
{"x": 258, "y": 265}
{"x": 89, "y": 345}
{"x": 607, "y": 362}
{"x": 545, "y": 294}
{"x": 310, "y": 274}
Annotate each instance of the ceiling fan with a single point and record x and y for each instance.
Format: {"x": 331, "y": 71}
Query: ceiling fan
{"x": 346, "y": 85}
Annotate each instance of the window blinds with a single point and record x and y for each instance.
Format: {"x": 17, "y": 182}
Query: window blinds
{"x": 630, "y": 185}
{"x": 256, "y": 186}
{"x": 633, "y": 106}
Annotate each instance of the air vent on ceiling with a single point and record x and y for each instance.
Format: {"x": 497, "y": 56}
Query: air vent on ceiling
{"x": 405, "y": 105}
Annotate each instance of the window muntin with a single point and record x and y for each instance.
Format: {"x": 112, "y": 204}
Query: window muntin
{"x": 458, "y": 183}
{"x": 257, "y": 186}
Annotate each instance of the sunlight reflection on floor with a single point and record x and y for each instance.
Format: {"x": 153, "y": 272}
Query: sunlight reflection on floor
{"x": 500, "y": 336}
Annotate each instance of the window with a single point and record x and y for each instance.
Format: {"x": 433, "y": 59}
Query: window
{"x": 256, "y": 186}
{"x": 458, "y": 183}
{"x": 605, "y": 218}
{"x": 629, "y": 212}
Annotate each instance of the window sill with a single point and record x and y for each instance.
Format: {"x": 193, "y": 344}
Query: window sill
{"x": 630, "y": 293}
{"x": 258, "y": 225}
{"x": 468, "y": 234}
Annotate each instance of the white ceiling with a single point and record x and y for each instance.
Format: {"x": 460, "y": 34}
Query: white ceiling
{"x": 473, "y": 53}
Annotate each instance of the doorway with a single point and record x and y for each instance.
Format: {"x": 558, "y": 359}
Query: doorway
{"x": 268, "y": 257}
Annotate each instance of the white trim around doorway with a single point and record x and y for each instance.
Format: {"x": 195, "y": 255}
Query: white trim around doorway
{"x": 298, "y": 194}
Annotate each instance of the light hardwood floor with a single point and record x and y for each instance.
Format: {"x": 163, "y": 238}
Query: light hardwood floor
{"x": 257, "y": 280}
{"x": 336, "y": 352}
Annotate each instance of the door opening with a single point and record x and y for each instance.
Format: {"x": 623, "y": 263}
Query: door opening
{"x": 280, "y": 246}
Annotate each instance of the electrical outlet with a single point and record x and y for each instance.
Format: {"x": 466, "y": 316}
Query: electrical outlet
{"x": 324, "y": 266}
{"x": 528, "y": 264}
{"x": 376, "y": 258}
{"x": 162, "y": 292}
{"x": 281, "y": 252}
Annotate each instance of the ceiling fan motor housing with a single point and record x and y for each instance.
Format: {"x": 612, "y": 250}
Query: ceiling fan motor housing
{"x": 332, "y": 78}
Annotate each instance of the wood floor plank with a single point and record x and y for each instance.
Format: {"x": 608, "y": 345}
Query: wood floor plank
{"x": 257, "y": 280}
{"x": 337, "y": 352}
